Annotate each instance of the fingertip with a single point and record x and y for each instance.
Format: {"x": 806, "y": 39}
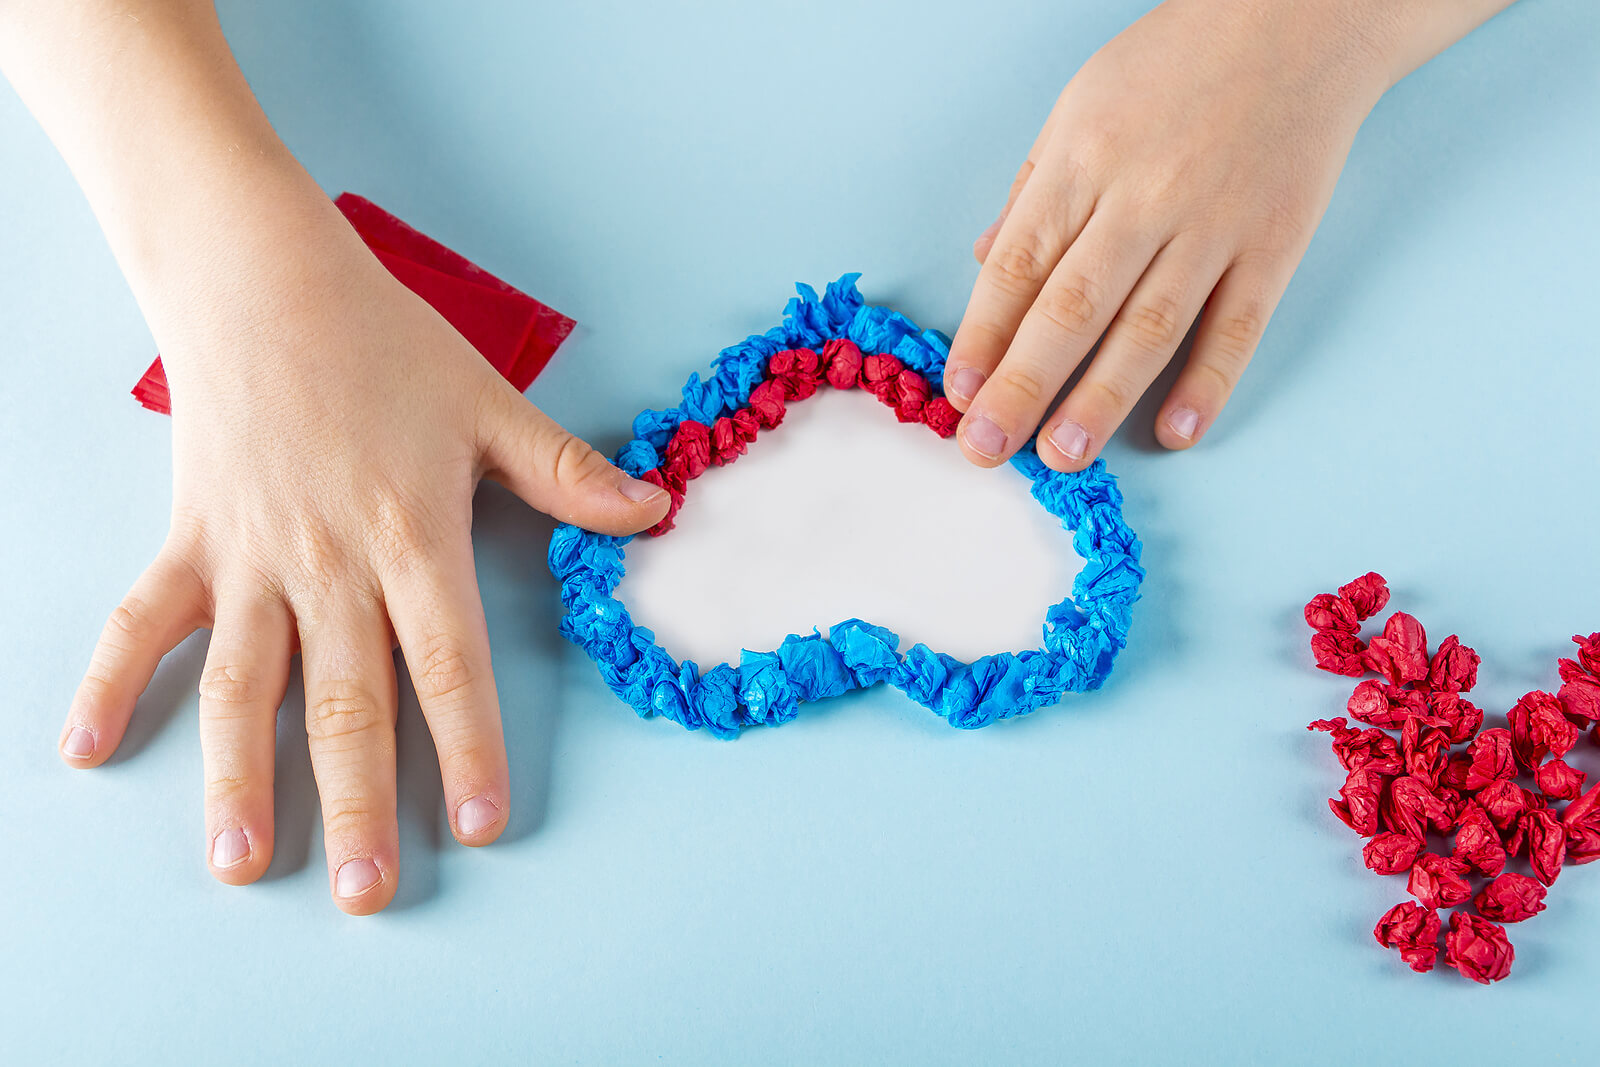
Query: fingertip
{"x": 478, "y": 820}
{"x": 97, "y": 719}
{"x": 77, "y": 746}
{"x": 647, "y": 497}
{"x": 239, "y": 856}
{"x": 961, "y": 385}
{"x": 1052, "y": 458}
{"x": 982, "y": 441}
{"x": 630, "y": 505}
{"x": 1067, "y": 447}
{"x": 362, "y": 886}
{"x": 1179, "y": 427}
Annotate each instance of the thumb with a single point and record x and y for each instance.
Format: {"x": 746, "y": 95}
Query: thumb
{"x": 530, "y": 454}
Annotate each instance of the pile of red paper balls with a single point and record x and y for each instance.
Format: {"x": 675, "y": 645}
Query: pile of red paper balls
{"x": 1426, "y": 772}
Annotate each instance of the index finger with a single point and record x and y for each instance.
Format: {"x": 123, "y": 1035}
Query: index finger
{"x": 1048, "y": 216}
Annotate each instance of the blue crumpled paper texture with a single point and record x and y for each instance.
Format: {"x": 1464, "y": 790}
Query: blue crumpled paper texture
{"x": 1082, "y": 634}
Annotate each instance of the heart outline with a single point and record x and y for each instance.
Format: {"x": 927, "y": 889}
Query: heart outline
{"x": 1082, "y": 634}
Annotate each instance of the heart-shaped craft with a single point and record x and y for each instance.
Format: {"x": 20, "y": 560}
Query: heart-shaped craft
{"x": 839, "y": 340}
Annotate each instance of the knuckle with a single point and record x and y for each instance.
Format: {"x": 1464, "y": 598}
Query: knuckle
{"x": 1016, "y": 265}
{"x": 97, "y": 690}
{"x": 464, "y": 747}
{"x": 1165, "y": 188}
{"x": 444, "y": 670}
{"x": 1154, "y": 325}
{"x": 1071, "y": 308}
{"x": 574, "y": 463}
{"x": 225, "y": 788}
{"x": 1100, "y": 145}
{"x": 403, "y": 536}
{"x": 343, "y": 711}
{"x": 232, "y": 685}
{"x": 1112, "y": 393}
{"x": 1284, "y": 223}
{"x": 347, "y": 817}
{"x": 319, "y": 554}
{"x": 1236, "y": 335}
{"x": 1015, "y": 382}
{"x": 977, "y": 336}
{"x": 1223, "y": 375}
{"x": 127, "y": 622}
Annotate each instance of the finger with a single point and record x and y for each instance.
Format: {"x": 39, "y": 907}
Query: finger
{"x": 438, "y": 617}
{"x": 985, "y": 241}
{"x": 1230, "y": 328}
{"x": 350, "y": 713}
{"x": 241, "y": 689}
{"x": 1139, "y": 343}
{"x": 166, "y": 605}
{"x": 1073, "y": 309}
{"x": 530, "y": 454}
{"x": 1051, "y": 210}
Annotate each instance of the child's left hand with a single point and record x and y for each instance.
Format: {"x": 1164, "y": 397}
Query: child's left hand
{"x": 1184, "y": 166}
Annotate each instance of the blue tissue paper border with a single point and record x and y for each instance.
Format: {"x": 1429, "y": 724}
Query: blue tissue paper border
{"x": 1082, "y": 634}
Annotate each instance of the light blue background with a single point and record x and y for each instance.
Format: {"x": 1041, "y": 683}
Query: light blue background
{"x": 1149, "y": 874}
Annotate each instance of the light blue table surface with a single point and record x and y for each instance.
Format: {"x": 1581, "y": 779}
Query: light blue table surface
{"x": 1148, "y": 874}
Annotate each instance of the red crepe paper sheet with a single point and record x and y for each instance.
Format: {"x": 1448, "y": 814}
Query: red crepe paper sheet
{"x": 1450, "y": 806}
{"x": 514, "y": 332}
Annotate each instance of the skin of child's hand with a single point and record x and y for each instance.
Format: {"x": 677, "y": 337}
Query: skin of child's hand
{"x": 328, "y": 431}
{"x": 1180, "y": 175}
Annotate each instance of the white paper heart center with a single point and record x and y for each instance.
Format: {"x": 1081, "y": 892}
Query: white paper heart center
{"x": 842, "y": 512}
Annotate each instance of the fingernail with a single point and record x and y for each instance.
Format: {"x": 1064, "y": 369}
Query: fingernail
{"x": 1070, "y": 439}
{"x": 79, "y": 743}
{"x": 994, "y": 228}
{"x": 229, "y": 849}
{"x": 983, "y": 436}
{"x": 477, "y": 813}
{"x": 966, "y": 382}
{"x": 639, "y": 492}
{"x": 356, "y": 877}
{"x": 1184, "y": 421}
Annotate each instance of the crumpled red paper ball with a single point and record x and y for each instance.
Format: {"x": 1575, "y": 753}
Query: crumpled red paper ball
{"x": 1391, "y": 853}
{"x": 1439, "y": 881}
{"x": 1478, "y": 948}
{"x": 1414, "y": 930}
{"x": 1452, "y": 805}
{"x": 1510, "y": 898}
{"x": 1368, "y": 594}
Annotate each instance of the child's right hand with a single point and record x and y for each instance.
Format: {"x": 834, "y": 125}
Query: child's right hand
{"x": 328, "y": 431}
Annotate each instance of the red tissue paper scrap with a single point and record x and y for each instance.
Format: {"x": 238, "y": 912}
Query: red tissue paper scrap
{"x": 1424, "y": 773}
{"x": 515, "y": 333}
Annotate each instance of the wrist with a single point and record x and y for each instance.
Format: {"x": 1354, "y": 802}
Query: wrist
{"x": 223, "y": 236}
{"x": 265, "y": 275}
{"x": 1398, "y": 36}
{"x": 1356, "y": 49}
{"x": 188, "y": 179}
